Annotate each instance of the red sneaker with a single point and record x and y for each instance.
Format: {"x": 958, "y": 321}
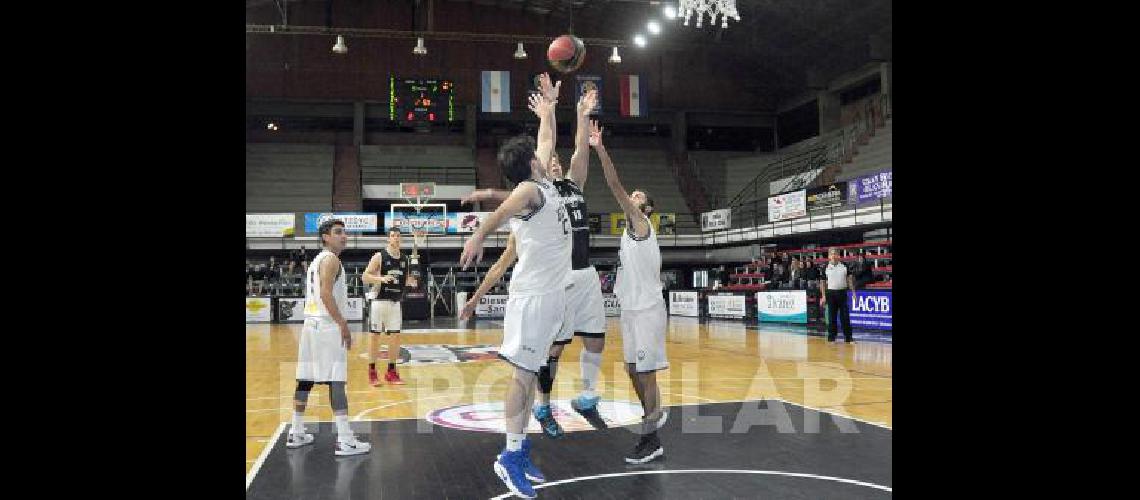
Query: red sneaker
{"x": 373, "y": 378}
{"x": 392, "y": 377}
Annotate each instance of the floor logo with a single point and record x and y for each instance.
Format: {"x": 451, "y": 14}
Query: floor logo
{"x": 488, "y": 417}
{"x": 421, "y": 354}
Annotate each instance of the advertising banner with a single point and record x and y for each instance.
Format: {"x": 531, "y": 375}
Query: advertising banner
{"x": 684, "y": 304}
{"x": 716, "y": 219}
{"x": 832, "y": 195}
{"x": 787, "y": 307}
{"x": 491, "y": 306}
{"x": 787, "y": 206}
{"x": 870, "y": 309}
{"x": 269, "y": 225}
{"x": 726, "y": 306}
{"x": 354, "y": 222}
{"x": 258, "y": 309}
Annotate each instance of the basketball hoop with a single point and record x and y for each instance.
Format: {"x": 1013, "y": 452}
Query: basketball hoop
{"x": 417, "y": 193}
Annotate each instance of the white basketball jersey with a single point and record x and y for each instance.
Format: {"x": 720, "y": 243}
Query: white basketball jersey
{"x": 542, "y": 242}
{"x": 314, "y": 306}
{"x": 638, "y": 283}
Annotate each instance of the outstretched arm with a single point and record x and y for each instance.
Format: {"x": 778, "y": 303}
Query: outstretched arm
{"x": 580, "y": 160}
{"x": 544, "y": 107}
{"x": 484, "y": 195}
{"x": 525, "y": 195}
{"x": 497, "y": 271}
{"x": 633, "y": 215}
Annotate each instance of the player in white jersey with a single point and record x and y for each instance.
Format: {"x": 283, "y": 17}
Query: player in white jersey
{"x": 585, "y": 307}
{"x": 537, "y": 303}
{"x": 322, "y": 353}
{"x": 638, "y": 289}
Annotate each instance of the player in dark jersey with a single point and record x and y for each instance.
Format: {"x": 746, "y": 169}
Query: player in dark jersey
{"x": 387, "y": 272}
{"x": 585, "y": 307}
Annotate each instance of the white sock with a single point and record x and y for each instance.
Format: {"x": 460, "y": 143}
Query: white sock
{"x": 514, "y": 441}
{"x": 343, "y": 431}
{"x": 591, "y": 366}
{"x": 298, "y": 426}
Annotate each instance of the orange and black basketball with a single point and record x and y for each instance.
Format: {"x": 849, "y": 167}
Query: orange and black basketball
{"x": 566, "y": 53}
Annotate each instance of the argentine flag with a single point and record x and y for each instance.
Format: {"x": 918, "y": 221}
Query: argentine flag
{"x": 496, "y": 92}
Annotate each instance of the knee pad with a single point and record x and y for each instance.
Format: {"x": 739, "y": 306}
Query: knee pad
{"x": 338, "y": 399}
{"x": 304, "y": 385}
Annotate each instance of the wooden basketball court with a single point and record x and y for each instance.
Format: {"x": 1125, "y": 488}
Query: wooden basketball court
{"x": 711, "y": 362}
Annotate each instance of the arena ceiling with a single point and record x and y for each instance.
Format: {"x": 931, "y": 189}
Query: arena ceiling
{"x": 780, "y": 46}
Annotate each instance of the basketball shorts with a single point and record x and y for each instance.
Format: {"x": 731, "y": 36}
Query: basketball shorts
{"x": 384, "y": 316}
{"x": 321, "y": 356}
{"x": 530, "y": 325}
{"x": 643, "y": 338}
{"x": 585, "y": 307}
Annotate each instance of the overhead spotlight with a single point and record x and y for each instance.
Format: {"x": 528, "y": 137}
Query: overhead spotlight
{"x": 639, "y": 40}
{"x": 654, "y": 28}
{"x": 615, "y": 58}
{"x": 420, "y": 49}
{"x": 670, "y": 11}
{"x": 271, "y": 126}
{"x": 340, "y": 47}
{"x": 519, "y": 52}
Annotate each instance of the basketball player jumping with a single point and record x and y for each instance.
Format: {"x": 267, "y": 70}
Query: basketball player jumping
{"x": 322, "y": 353}
{"x": 387, "y": 272}
{"x": 585, "y": 307}
{"x": 537, "y": 303}
{"x": 638, "y": 289}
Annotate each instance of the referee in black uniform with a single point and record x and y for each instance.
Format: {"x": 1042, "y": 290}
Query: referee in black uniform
{"x": 837, "y": 280}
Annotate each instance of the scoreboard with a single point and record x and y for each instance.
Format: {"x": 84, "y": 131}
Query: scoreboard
{"x": 421, "y": 101}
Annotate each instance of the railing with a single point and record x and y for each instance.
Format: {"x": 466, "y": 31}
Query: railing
{"x": 796, "y": 163}
{"x": 838, "y": 147}
{"x": 755, "y": 213}
{"x": 442, "y": 175}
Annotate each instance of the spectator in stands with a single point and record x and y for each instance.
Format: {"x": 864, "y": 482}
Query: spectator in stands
{"x": 863, "y": 273}
{"x": 248, "y": 277}
{"x": 795, "y": 275}
{"x": 811, "y": 273}
{"x": 811, "y": 277}
{"x": 300, "y": 258}
{"x": 259, "y": 279}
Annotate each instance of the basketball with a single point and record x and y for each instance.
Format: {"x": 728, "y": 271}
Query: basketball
{"x": 566, "y": 53}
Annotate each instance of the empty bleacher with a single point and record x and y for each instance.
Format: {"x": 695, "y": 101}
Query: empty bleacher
{"x": 875, "y": 156}
{"x": 386, "y": 164}
{"x": 637, "y": 168}
{"x": 288, "y": 177}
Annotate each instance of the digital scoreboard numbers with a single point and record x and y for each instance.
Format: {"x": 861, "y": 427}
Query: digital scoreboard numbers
{"x": 421, "y": 101}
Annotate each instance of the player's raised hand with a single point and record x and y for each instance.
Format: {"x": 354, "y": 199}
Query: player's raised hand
{"x": 595, "y": 134}
{"x": 587, "y": 102}
{"x": 538, "y": 105}
{"x": 549, "y": 91}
